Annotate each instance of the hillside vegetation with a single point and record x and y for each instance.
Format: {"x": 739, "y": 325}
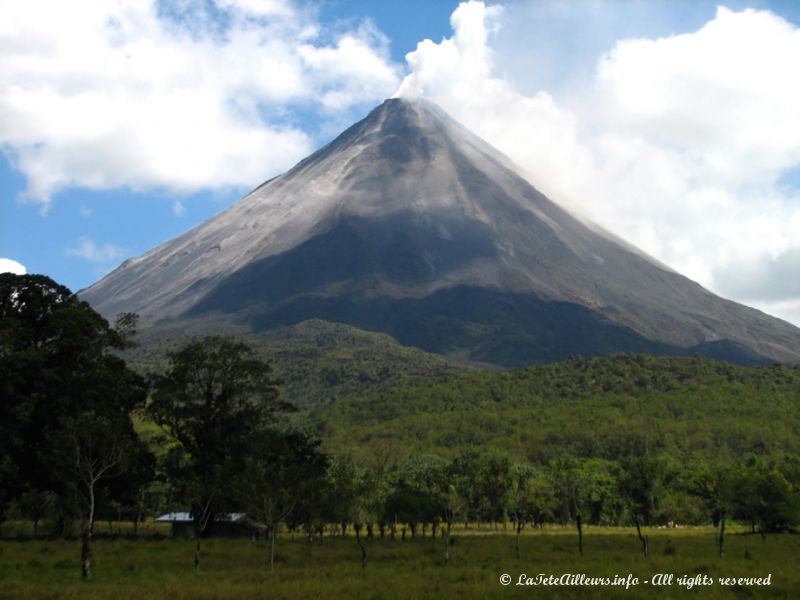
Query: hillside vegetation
{"x": 317, "y": 361}
{"x": 600, "y": 408}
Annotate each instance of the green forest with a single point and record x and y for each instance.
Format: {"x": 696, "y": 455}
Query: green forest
{"x": 325, "y": 430}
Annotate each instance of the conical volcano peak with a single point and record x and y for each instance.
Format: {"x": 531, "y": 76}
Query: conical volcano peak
{"x": 406, "y": 155}
{"x": 402, "y": 118}
{"x": 408, "y": 120}
{"x": 399, "y": 116}
{"x": 395, "y": 114}
{"x": 409, "y": 223}
{"x": 402, "y": 131}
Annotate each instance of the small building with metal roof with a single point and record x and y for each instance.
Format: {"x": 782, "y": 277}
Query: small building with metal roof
{"x": 228, "y": 525}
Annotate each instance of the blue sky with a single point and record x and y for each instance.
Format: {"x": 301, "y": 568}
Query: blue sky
{"x": 120, "y": 130}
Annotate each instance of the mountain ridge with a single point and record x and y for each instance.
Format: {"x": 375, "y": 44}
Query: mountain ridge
{"x": 407, "y": 207}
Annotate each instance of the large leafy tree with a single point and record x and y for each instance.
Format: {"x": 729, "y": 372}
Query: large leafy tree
{"x": 531, "y": 499}
{"x": 767, "y": 498}
{"x": 579, "y": 488}
{"x": 213, "y": 397}
{"x": 717, "y": 484}
{"x": 65, "y": 423}
{"x": 426, "y": 476}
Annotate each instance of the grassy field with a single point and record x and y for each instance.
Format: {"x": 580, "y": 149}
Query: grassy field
{"x": 158, "y": 567}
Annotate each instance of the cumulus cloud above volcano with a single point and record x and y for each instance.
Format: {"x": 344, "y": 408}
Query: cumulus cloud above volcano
{"x": 679, "y": 144}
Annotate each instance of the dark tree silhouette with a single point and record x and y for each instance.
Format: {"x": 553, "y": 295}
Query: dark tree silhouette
{"x": 213, "y": 397}
{"x": 65, "y": 394}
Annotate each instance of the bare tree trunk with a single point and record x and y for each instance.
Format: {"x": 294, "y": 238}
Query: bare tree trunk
{"x": 199, "y": 528}
{"x": 86, "y": 554}
{"x": 722, "y": 534}
{"x": 88, "y": 530}
{"x": 642, "y": 538}
{"x": 447, "y": 543}
{"x": 361, "y": 545}
{"x": 272, "y": 546}
{"x": 519, "y": 526}
{"x": 579, "y": 524}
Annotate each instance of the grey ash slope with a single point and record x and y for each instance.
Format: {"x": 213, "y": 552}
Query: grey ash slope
{"x": 408, "y": 223}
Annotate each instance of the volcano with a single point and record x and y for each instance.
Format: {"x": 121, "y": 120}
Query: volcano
{"x": 409, "y": 224}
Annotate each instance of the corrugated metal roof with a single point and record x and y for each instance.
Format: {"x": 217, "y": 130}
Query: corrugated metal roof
{"x": 186, "y": 517}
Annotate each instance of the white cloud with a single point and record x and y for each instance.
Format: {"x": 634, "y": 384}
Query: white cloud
{"x": 101, "y": 94}
{"x": 259, "y": 7}
{"x": 94, "y": 253}
{"x": 788, "y": 310}
{"x": 178, "y": 209}
{"x": 697, "y": 129}
{"x": 354, "y": 68}
{"x": 676, "y": 144}
{"x": 764, "y": 278}
{"x": 726, "y": 94}
{"x": 8, "y": 265}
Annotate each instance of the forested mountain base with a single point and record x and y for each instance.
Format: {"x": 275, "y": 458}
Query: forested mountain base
{"x": 611, "y": 439}
{"x": 603, "y": 408}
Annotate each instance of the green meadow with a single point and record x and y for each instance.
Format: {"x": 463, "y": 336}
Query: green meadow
{"x": 162, "y": 567}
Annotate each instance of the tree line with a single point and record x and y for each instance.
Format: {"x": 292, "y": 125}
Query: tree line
{"x": 78, "y": 441}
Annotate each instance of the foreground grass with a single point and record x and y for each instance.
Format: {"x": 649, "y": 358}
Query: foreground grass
{"x": 162, "y": 568}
